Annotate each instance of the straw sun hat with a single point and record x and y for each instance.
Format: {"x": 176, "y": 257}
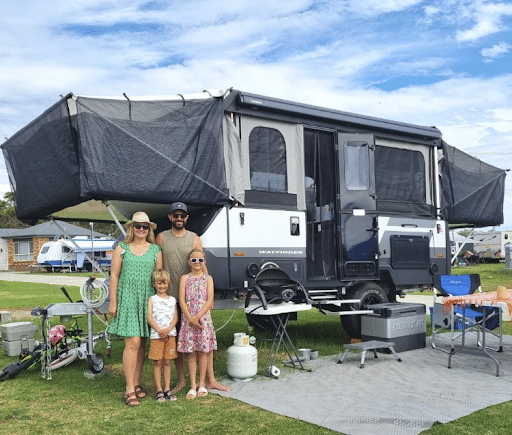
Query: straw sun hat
{"x": 141, "y": 218}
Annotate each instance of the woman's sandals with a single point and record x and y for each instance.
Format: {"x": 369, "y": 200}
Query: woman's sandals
{"x": 139, "y": 392}
{"x": 131, "y": 399}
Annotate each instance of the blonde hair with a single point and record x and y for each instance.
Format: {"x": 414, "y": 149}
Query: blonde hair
{"x": 130, "y": 236}
{"x": 196, "y": 250}
{"x": 160, "y": 275}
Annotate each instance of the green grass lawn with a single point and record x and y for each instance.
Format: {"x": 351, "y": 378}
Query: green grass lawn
{"x": 71, "y": 403}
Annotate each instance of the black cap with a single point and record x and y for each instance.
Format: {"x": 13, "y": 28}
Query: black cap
{"x": 178, "y": 206}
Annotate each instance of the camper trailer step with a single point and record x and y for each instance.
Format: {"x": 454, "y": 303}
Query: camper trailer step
{"x": 322, "y": 297}
{"x": 332, "y": 290}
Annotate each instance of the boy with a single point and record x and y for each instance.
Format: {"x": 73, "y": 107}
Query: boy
{"x": 162, "y": 317}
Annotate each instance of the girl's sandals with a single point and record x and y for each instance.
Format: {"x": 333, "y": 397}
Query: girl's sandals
{"x": 139, "y": 392}
{"x": 169, "y": 395}
{"x": 202, "y": 392}
{"x": 160, "y": 396}
{"x": 131, "y": 399}
{"x": 191, "y": 394}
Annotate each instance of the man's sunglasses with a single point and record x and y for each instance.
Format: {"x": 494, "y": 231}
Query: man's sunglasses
{"x": 196, "y": 260}
{"x": 179, "y": 216}
{"x": 140, "y": 226}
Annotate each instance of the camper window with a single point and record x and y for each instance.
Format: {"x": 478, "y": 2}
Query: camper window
{"x": 65, "y": 249}
{"x": 267, "y": 153}
{"x": 400, "y": 175}
{"x": 23, "y": 250}
{"x": 357, "y": 165}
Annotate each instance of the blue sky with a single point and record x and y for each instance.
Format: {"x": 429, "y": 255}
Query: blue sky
{"x": 443, "y": 63}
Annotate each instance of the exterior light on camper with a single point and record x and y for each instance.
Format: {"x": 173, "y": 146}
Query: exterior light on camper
{"x": 239, "y": 254}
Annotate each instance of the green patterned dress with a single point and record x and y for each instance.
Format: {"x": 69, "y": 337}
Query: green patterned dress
{"x": 133, "y": 291}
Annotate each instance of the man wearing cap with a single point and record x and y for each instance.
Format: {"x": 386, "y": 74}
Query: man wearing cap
{"x": 176, "y": 245}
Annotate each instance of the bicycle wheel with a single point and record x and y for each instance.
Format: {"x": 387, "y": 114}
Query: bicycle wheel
{"x": 12, "y": 370}
{"x": 64, "y": 359}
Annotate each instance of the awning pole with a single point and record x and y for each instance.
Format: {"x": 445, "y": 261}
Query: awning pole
{"x": 118, "y": 224}
{"x": 462, "y": 245}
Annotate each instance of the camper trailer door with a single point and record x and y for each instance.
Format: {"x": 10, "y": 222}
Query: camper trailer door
{"x": 357, "y": 207}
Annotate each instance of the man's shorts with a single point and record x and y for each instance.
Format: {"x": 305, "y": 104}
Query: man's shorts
{"x": 163, "y": 348}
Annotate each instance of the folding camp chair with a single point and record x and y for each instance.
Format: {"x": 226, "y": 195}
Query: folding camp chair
{"x": 467, "y": 318}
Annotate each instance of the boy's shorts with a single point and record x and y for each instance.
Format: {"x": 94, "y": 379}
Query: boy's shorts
{"x": 163, "y": 348}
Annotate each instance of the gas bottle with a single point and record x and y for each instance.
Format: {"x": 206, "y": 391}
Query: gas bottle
{"x": 242, "y": 358}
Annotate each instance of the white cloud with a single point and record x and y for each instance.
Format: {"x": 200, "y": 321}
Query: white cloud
{"x": 330, "y": 53}
{"x": 489, "y": 20}
{"x": 496, "y": 51}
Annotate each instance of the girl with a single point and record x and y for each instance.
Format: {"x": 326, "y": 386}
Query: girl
{"x": 197, "y": 335}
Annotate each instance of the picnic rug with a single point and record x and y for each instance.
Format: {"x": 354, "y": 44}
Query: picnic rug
{"x": 386, "y": 396}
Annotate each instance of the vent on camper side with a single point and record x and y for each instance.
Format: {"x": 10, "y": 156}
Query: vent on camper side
{"x": 358, "y": 268}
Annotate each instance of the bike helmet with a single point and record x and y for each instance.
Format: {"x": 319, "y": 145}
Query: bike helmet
{"x": 57, "y": 333}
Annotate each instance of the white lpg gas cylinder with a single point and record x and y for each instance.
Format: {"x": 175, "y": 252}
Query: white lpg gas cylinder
{"x": 242, "y": 358}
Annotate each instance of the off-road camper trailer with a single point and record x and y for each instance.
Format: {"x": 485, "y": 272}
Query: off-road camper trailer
{"x": 352, "y": 207}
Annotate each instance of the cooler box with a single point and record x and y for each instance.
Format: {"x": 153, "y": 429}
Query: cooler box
{"x": 402, "y": 323}
{"x": 18, "y": 336}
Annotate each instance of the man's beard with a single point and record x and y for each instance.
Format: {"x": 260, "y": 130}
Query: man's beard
{"x": 176, "y": 223}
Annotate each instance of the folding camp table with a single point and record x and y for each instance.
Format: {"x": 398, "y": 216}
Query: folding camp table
{"x": 478, "y": 300}
{"x": 281, "y": 335}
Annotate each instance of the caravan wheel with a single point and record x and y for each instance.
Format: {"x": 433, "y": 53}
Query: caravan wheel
{"x": 370, "y": 293}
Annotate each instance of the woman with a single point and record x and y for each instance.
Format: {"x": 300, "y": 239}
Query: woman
{"x": 133, "y": 262}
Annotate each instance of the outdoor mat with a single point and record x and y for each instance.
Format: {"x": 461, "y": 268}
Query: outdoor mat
{"x": 386, "y": 396}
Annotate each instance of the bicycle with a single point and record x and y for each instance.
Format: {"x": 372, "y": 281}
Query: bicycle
{"x": 59, "y": 346}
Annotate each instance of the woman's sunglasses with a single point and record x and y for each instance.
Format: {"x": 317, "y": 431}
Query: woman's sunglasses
{"x": 141, "y": 227}
{"x": 196, "y": 260}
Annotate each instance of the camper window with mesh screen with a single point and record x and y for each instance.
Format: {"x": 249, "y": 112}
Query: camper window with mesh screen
{"x": 267, "y": 153}
{"x": 357, "y": 166}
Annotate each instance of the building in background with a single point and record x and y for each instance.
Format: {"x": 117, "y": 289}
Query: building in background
{"x": 19, "y": 247}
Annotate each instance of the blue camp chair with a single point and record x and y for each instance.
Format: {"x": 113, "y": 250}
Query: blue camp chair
{"x": 466, "y": 318}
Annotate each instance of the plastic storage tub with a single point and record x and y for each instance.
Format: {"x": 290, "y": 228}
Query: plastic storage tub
{"x": 402, "y": 323}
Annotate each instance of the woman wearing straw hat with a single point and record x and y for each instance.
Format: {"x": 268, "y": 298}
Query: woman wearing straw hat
{"x": 133, "y": 262}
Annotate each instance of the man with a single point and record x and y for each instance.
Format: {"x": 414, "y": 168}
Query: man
{"x": 176, "y": 245}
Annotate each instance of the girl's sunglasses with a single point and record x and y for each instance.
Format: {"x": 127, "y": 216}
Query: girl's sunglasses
{"x": 140, "y": 226}
{"x": 196, "y": 260}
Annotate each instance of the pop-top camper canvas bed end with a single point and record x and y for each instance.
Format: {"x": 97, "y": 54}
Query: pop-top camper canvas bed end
{"x": 351, "y": 206}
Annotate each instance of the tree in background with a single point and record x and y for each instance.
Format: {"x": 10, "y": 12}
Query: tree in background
{"x": 8, "y": 218}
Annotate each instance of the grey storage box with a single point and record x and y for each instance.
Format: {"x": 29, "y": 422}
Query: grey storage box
{"x": 14, "y": 348}
{"x": 18, "y": 330}
{"x": 402, "y": 323}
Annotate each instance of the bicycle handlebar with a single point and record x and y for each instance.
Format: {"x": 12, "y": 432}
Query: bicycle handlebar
{"x": 66, "y": 294}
